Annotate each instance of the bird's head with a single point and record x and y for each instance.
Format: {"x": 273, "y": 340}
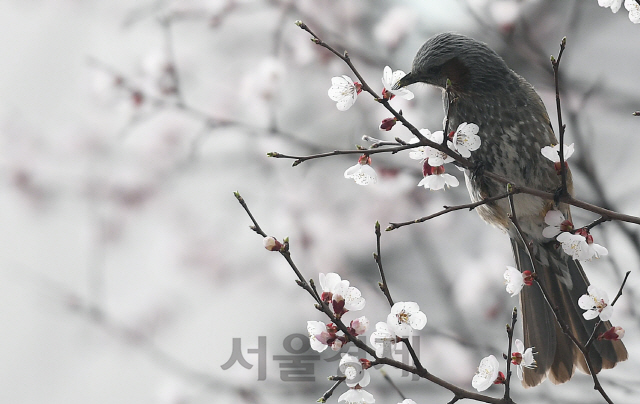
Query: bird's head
{"x": 470, "y": 65}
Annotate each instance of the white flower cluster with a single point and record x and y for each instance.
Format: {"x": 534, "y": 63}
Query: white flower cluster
{"x": 632, "y": 7}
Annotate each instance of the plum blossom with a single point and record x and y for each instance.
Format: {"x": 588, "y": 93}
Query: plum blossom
{"x": 344, "y": 92}
{"x": 359, "y": 326}
{"x": 613, "y": 334}
{"x": 354, "y": 371}
{"x": 633, "y": 8}
{"x": 389, "y": 80}
{"x": 339, "y": 295}
{"x": 515, "y": 280}
{"x": 596, "y": 303}
{"x": 436, "y": 157}
{"x": 356, "y": 396}
{"x": 406, "y": 317}
{"x": 407, "y": 401}
{"x": 321, "y": 335}
{"x": 435, "y": 178}
{"x": 553, "y": 154}
{"x": 465, "y": 139}
{"x": 522, "y": 358}
{"x": 556, "y": 224}
{"x": 362, "y": 173}
{"x": 487, "y": 373}
{"x": 581, "y": 246}
{"x": 384, "y": 340}
{"x": 613, "y": 4}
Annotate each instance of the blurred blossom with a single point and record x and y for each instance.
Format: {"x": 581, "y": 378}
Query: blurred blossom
{"x": 505, "y": 12}
{"x": 394, "y": 26}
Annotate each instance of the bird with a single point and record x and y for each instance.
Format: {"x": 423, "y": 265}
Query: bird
{"x": 514, "y": 127}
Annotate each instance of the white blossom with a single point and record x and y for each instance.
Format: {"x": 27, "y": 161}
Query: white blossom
{"x": 362, "y": 173}
{"x": 554, "y": 219}
{"x": 406, "y": 317}
{"x": 578, "y": 247}
{"x": 436, "y": 157}
{"x": 487, "y": 373}
{"x": 344, "y": 92}
{"x": 514, "y": 280}
{"x": 356, "y": 396}
{"x": 596, "y": 303}
{"x": 465, "y": 139}
{"x": 384, "y": 340}
{"x": 351, "y": 367}
{"x": 389, "y": 79}
{"x": 553, "y": 152}
{"x": 318, "y": 335}
{"x": 633, "y": 8}
{"x": 522, "y": 358}
{"x": 613, "y": 4}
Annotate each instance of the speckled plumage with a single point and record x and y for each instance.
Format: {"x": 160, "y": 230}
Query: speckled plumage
{"x": 514, "y": 126}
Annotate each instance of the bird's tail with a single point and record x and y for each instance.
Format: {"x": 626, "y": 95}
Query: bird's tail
{"x": 565, "y": 281}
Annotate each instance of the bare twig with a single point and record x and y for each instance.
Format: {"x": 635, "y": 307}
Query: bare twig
{"x": 378, "y": 258}
{"x": 507, "y": 383}
{"x": 447, "y": 209}
{"x": 329, "y": 392}
{"x": 390, "y": 381}
{"x": 555, "y": 63}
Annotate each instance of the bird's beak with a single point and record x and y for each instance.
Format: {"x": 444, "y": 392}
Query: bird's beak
{"x": 405, "y": 81}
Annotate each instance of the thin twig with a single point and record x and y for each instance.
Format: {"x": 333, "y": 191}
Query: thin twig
{"x": 510, "y": 328}
{"x": 329, "y": 392}
{"x": 378, "y": 258}
{"x": 447, "y": 209}
{"x": 555, "y": 63}
{"x": 390, "y": 381}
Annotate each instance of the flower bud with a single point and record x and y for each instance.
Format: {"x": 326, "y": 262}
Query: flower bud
{"x": 613, "y": 334}
{"x": 388, "y": 123}
{"x": 271, "y": 244}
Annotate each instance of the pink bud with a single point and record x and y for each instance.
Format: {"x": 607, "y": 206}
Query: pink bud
{"x": 388, "y": 123}
{"x": 364, "y": 159}
{"x": 612, "y": 334}
{"x": 516, "y": 358}
{"x": 528, "y": 277}
{"x": 500, "y": 379}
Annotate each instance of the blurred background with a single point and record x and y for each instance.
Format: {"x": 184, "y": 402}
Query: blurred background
{"x": 128, "y": 273}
